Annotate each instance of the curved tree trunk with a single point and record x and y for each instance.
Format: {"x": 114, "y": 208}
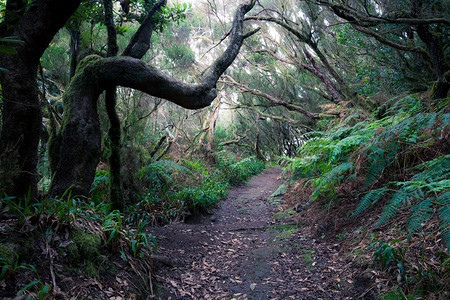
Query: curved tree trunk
{"x": 80, "y": 148}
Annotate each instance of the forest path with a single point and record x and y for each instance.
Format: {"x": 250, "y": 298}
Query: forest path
{"x": 249, "y": 249}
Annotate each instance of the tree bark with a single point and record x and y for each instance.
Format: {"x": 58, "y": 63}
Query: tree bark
{"x": 21, "y": 107}
{"x": 114, "y": 133}
{"x": 140, "y": 42}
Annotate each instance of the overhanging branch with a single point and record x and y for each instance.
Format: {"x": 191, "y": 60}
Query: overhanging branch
{"x": 289, "y": 106}
{"x": 389, "y": 43}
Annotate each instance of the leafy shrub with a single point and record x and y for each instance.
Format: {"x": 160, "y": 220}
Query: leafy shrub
{"x": 205, "y": 196}
{"x": 190, "y": 185}
{"x": 159, "y": 176}
{"x": 238, "y": 171}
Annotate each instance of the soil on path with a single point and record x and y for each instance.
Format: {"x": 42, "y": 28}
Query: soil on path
{"x": 250, "y": 249}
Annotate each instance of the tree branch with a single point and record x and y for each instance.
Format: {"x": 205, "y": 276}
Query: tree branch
{"x": 237, "y": 38}
{"x": 289, "y": 106}
{"x": 392, "y": 44}
{"x": 111, "y": 28}
{"x": 350, "y": 14}
{"x": 140, "y": 42}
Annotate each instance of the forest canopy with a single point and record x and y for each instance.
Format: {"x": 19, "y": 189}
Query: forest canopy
{"x": 313, "y": 58}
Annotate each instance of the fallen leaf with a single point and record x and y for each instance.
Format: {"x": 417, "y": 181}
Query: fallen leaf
{"x": 173, "y": 283}
{"x": 252, "y": 286}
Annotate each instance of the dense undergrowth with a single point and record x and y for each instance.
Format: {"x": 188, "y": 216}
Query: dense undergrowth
{"x": 76, "y": 233}
{"x": 393, "y": 170}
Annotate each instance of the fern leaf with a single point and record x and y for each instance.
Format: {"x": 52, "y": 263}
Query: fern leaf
{"x": 444, "y": 199}
{"x": 344, "y": 146}
{"x": 444, "y": 220}
{"x": 444, "y": 216}
{"x": 420, "y": 213}
{"x": 329, "y": 180}
{"x": 431, "y": 121}
{"x": 445, "y": 121}
{"x": 398, "y": 200}
{"x": 434, "y": 170}
{"x": 369, "y": 199}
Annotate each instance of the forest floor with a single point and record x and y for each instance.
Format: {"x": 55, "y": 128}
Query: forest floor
{"x": 251, "y": 248}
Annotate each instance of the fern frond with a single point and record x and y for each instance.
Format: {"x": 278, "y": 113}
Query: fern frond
{"x": 369, "y": 200}
{"x": 420, "y": 213}
{"x": 445, "y": 121}
{"x": 339, "y": 133}
{"x": 398, "y": 200}
{"x": 410, "y": 104}
{"x": 345, "y": 146}
{"x": 329, "y": 180}
{"x": 379, "y": 159}
{"x": 444, "y": 216}
{"x": 431, "y": 121}
{"x": 444, "y": 199}
{"x": 444, "y": 220}
{"x": 434, "y": 170}
{"x": 303, "y": 167}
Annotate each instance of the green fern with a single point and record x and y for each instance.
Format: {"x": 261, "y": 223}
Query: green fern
{"x": 304, "y": 167}
{"x": 398, "y": 200}
{"x": 444, "y": 216}
{"x": 328, "y": 181}
{"x": 383, "y": 149}
{"x": 433, "y": 179}
{"x": 445, "y": 121}
{"x": 420, "y": 213}
{"x": 369, "y": 200}
{"x": 379, "y": 159}
{"x": 345, "y": 146}
{"x": 436, "y": 169}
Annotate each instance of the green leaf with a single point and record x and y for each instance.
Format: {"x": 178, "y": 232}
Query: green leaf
{"x": 28, "y": 286}
{"x": 8, "y": 50}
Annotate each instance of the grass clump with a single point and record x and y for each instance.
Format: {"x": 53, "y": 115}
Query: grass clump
{"x": 7, "y": 255}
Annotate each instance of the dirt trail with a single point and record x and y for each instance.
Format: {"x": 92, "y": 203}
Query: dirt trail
{"x": 249, "y": 249}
